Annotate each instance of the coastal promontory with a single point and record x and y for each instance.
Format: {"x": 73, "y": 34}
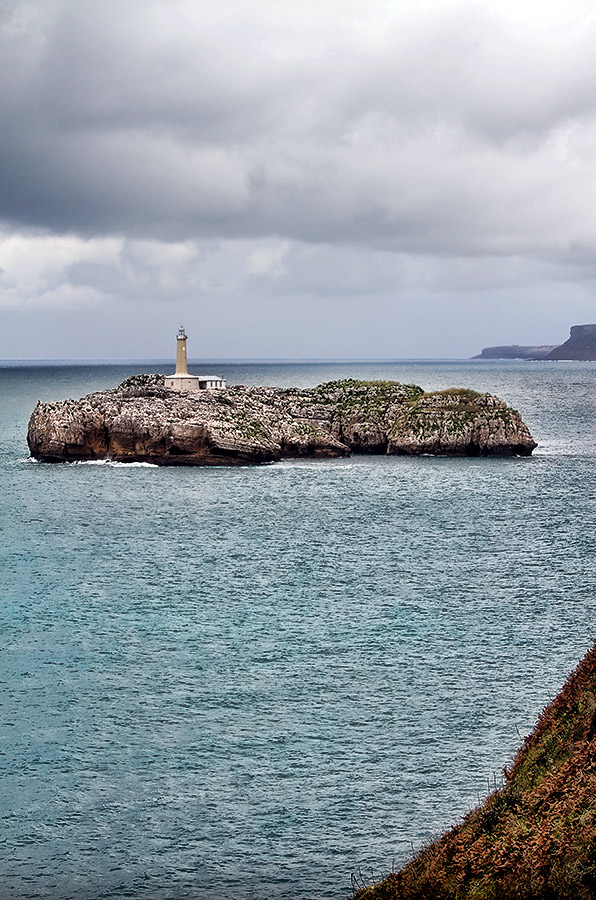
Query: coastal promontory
{"x": 514, "y": 351}
{"x": 143, "y": 421}
{"x": 533, "y": 839}
{"x": 580, "y": 345}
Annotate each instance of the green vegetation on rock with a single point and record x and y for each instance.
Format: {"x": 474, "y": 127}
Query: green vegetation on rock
{"x": 152, "y": 380}
{"x": 144, "y": 420}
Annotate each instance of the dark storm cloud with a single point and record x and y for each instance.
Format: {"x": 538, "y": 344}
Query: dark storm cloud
{"x": 450, "y": 131}
{"x": 389, "y": 177}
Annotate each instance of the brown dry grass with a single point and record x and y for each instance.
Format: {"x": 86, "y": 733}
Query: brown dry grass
{"x": 536, "y": 838}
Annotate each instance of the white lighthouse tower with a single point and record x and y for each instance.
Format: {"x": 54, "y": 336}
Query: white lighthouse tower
{"x": 181, "y": 361}
{"x": 181, "y": 380}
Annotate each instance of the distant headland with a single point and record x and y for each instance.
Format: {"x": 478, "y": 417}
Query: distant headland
{"x": 515, "y": 351}
{"x": 581, "y": 345}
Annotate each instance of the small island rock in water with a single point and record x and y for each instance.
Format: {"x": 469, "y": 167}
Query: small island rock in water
{"x": 143, "y": 421}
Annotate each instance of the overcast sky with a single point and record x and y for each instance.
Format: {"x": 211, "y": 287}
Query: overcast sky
{"x": 323, "y": 178}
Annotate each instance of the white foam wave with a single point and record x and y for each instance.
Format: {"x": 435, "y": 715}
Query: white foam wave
{"x": 313, "y": 464}
{"x": 564, "y": 448}
{"x": 113, "y": 464}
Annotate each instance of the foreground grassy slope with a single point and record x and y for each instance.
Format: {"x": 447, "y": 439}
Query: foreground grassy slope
{"x": 536, "y": 838}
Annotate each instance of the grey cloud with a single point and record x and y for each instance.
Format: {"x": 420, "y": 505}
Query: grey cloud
{"x": 107, "y": 279}
{"x": 183, "y": 120}
{"x": 316, "y": 179}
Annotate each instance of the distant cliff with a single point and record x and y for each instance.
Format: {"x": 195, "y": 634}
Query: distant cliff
{"x": 144, "y": 421}
{"x": 514, "y": 351}
{"x": 535, "y": 839}
{"x": 581, "y": 344}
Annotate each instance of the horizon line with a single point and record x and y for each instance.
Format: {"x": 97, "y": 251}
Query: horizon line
{"x": 235, "y": 359}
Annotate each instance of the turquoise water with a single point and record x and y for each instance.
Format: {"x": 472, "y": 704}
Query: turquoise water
{"x": 251, "y": 683}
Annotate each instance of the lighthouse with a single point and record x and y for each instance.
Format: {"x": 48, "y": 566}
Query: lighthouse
{"x": 181, "y": 361}
{"x": 181, "y": 380}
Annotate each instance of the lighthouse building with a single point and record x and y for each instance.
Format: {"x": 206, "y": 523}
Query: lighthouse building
{"x": 181, "y": 380}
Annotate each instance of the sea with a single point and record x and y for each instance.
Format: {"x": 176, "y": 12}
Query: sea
{"x": 281, "y": 681}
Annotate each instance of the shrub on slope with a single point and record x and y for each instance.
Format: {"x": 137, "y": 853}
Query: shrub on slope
{"x": 535, "y": 839}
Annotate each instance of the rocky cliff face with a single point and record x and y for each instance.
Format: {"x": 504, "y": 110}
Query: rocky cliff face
{"x": 143, "y": 421}
{"x": 581, "y": 344}
{"x": 535, "y": 839}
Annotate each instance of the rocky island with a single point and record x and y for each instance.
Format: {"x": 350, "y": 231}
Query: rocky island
{"x": 143, "y": 421}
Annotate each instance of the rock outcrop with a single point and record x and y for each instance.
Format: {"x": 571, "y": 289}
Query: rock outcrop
{"x": 535, "y": 839}
{"x": 143, "y": 421}
{"x": 580, "y": 345}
